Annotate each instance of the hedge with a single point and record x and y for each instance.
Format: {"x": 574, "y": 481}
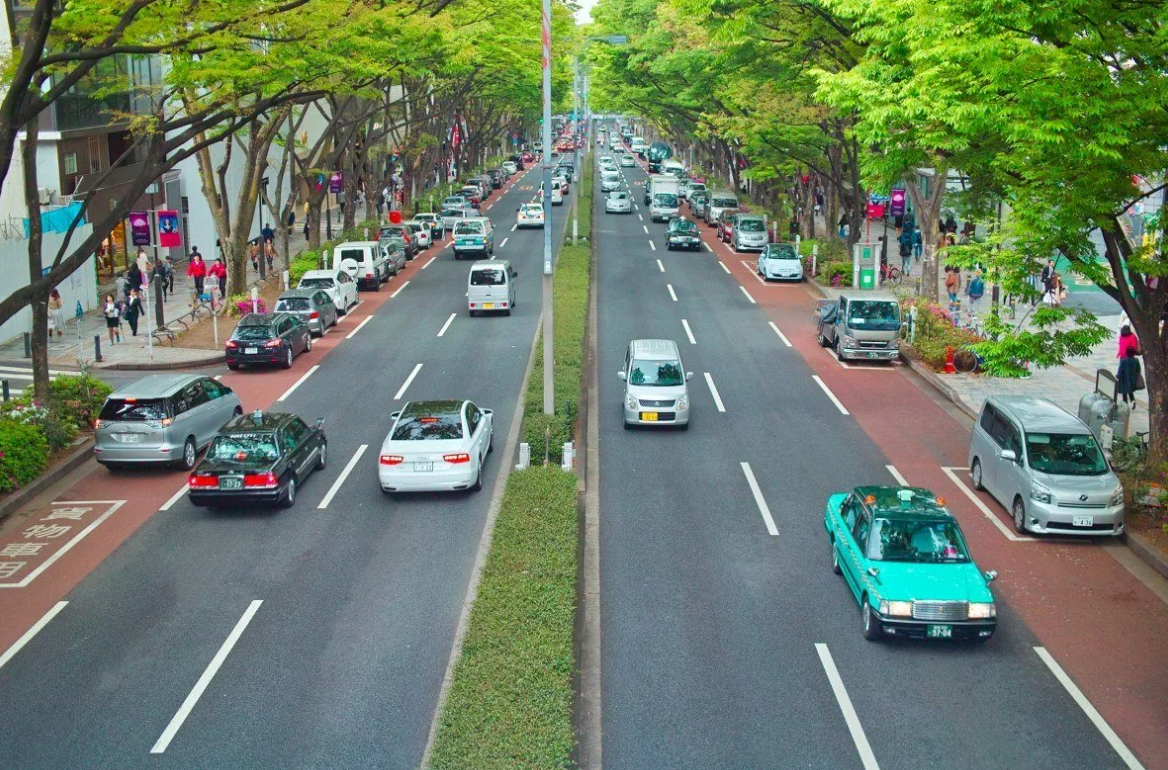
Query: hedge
{"x": 934, "y": 333}
{"x": 24, "y": 454}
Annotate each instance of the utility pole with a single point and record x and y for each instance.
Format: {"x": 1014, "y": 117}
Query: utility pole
{"x": 549, "y": 398}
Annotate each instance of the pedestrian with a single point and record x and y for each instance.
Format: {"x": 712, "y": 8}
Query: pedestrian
{"x": 843, "y": 227}
{"x": 905, "y": 243}
{"x": 120, "y": 286}
{"x": 976, "y": 290}
{"x": 197, "y": 270}
{"x": 113, "y": 318}
{"x": 306, "y": 228}
{"x": 218, "y": 272}
{"x": 143, "y": 262}
{"x": 133, "y": 311}
{"x": 268, "y": 233}
{"x": 917, "y": 244}
{"x": 168, "y": 273}
{"x": 253, "y": 253}
{"x": 270, "y": 254}
{"x": 1047, "y": 276}
{"x": 133, "y": 279}
{"x": 1127, "y": 341}
{"x": 56, "y": 313}
{"x": 952, "y": 287}
{"x": 159, "y": 272}
{"x": 291, "y": 220}
{"x": 1128, "y": 378}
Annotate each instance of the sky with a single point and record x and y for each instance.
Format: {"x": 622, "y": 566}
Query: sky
{"x": 584, "y": 15}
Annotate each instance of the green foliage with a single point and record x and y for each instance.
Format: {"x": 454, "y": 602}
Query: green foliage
{"x": 24, "y": 454}
{"x": 829, "y": 271}
{"x": 77, "y": 400}
{"x": 934, "y": 333}
{"x": 59, "y": 432}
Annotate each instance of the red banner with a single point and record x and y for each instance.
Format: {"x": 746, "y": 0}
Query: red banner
{"x": 168, "y": 234}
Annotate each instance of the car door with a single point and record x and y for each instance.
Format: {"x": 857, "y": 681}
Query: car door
{"x": 1012, "y": 480}
{"x": 996, "y": 465}
{"x": 852, "y": 552}
{"x": 219, "y": 408}
{"x": 474, "y": 423}
{"x": 199, "y": 411}
{"x": 327, "y": 310}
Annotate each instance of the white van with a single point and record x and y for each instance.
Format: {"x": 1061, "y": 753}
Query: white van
{"x": 364, "y": 261}
{"x": 491, "y": 287}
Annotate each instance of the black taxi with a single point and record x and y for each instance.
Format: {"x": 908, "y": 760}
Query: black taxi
{"x": 259, "y": 458}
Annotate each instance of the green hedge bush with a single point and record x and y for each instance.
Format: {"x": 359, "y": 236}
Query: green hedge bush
{"x": 934, "y": 333}
{"x": 24, "y": 454}
{"x": 77, "y": 400}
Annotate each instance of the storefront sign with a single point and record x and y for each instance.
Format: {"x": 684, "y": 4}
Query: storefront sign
{"x": 897, "y": 201}
{"x": 140, "y": 228}
{"x": 168, "y": 234}
{"x": 336, "y": 183}
{"x": 875, "y": 211}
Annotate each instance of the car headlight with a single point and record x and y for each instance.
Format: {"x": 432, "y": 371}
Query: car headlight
{"x": 1040, "y": 493}
{"x": 848, "y": 341}
{"x": 896, "y": 609}
{"x": 683, "y": 403}
{"x": 630, "y": 401}
{"x": 982, "y": 610}
{"x": 1116, "y": 498}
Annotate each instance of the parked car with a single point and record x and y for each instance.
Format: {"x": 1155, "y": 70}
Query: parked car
{"x": 778, "y": 262}
{"x": 618, "y": 202}
{"x": 496, "y": 175}
{"x": 719, "y": 202}
{"x": 696, "y": 188}
{"x": 260, "y": 458}
{"x": 394, "y": 250}
{"x": 511, "y": 167}
{"x": 365, "y": 261}
{"x": 655, "y": 391}
{"x": 451, "y": 217}
{"x": 402, "y": 233}
{"x": 339, "y": 285}
{"x": 682, "y": 234}
{"x": 860, "y": 327}
{"x": 264, "y": 339}
{"x": 437, "y": 229}
{"x": 491, "y": 287}
{"x": 161, "y": 418}
{"x": 474, "y": 236}
{"x": 530, "y": 215}
{"x": 456, "y": 202}
{"x": 436, "y": 446}
{"x": 725, "y": 225}
{"x": 313, "y": 307}
{"x": 420, "y": 231}
{"x": 698, "y": 203}
{"x": 749, "y": 233}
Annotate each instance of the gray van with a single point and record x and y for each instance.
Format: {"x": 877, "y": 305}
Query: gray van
{"x": 655, "y": 384}
{"x": 162, "y": 418}
{"x": 1045, "y": 466}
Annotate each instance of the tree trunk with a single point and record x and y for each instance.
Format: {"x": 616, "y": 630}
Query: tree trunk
{"x": 40, "y": 306}
{"x": 928, "y": 209}
{"x": 1147, "y": 328}
{"x": 313, "y": 217}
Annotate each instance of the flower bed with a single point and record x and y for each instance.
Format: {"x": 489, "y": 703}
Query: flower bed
{"x": 934, "y": 333}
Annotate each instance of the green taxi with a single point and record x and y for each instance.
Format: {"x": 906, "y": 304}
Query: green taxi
{"x": 905, "y": 560}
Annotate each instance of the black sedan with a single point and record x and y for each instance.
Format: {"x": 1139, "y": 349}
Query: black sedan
{"x": 259, "y": 459}
{"x": 682, "y": 234}
{"x": 266, "y": 339}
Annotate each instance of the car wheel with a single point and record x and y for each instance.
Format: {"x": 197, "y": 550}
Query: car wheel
{"x": 323, "y": 460}
{"x": 869, "y": 626}
{"x": 1019, "y": 515}
{"x": 288, "y": 358}
{"x": 821, "y": 339}
{"x": 233, "y": 367}
{"x": 491, "y": 443}
{"x": 289, "y": 498}
{"x": 189, "y": 455}
{"x": 975, "y": 474}
{"x": 308, "y": 344}
{"x": 478, "y": 485}
{"x": 376, "y": 284}
{"x": 835, "y": 565}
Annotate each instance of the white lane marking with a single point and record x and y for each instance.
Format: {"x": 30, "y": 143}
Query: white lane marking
{"x": 653, "y": 246}
{"x": 399, "y": 290}
{"x": 447, "y": 244}
{"x": 825, "y": 389}
{"x": 218, "y": 378}
{"x": 114, "y": 505}
{"x": 660, "y": 266}
{"x": 53, "y": 372}
{"x": 671, "y": 294}
{"x": 744, "y": 291}
{"x": 360, "y": 326}
{"x": 645, "y": 228}
{"x": 636, "y": 208}
{"x": 688, "y": 332}
{"x": 514, "y": 226}
{"x": 721, "y": 265}
{"x": 446, "y": 325}
{"x": 297, "y": 384}
{"x": 867, "y": 758}
{"x": 973, "y": 498}
{"x": 175, "y": 498}
{"x": 782, "y": 336}
{"x": 429, "y": 261}
{"x": 401, "y": 392}
{"x": 28, "y": 635}
{"x": 759, "y": 500}
{"x": 640, "y": 217}
{"x": 1096, "y": 718}
{"x": 897, "y": 475}
{"x": 710, "y": 249}
{"x": 754, "y": 272}
{"x": 197, "y": 691}
{"x": 504, "y": 243}
{"x": 714, "y": 392}
{"x": 328, "y": 498}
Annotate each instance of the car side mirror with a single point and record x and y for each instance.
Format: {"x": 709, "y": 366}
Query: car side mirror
{"x": 515, "y": 274}
{"x": 1008, "y": 454}
{"x": 394, "y": 415}
{"x": 991, "y": 576}
{"x": 488, "y": 411}
{"x": 320, "y": 422}
{"x": 873, "y": 572}
{"x": 688, "y": 376}
{"x": 621, "y": 375}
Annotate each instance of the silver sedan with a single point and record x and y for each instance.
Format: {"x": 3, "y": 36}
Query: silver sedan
{"x": 618, "y": 202}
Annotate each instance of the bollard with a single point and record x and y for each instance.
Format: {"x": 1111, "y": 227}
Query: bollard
{"x": 569, "y": 457}
{"x": 524, "y": 455}
{"x": 27, "y": 345}
{"x": 7, "y": 393}
{"x": 97, "y": 348}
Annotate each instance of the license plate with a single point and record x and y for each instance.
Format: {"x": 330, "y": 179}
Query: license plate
{"x": 131, "y": 438}
{"x": 250, "y": 351}
{"x": 424, "y": 466}
{"x": 873, "y": 355}
{"x": 940, "y": 632}
{"x": 1083, "y": 521}
{"x": 649, "y": 416}
{"x": 488, "y": 306}
{"x": 230, "y": 483}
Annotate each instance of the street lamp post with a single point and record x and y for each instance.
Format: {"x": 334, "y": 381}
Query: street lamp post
{"x": 549, "y": 400}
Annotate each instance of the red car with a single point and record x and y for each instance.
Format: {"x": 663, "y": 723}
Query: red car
{"x": 527, "y": 157}
{"x": 726, "y": 225}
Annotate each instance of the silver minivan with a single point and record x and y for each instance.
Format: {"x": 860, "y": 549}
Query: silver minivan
{"x": 655, "y": 384}
{"x": 1045, "y": 466}
{"x": 162, "y": 418}
{"x": 491, "y": 287}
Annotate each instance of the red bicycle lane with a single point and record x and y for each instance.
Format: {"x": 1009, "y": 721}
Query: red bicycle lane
{"x": 1099, "y": 622}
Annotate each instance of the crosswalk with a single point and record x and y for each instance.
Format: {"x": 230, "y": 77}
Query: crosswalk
{"x": 24, "y": 373}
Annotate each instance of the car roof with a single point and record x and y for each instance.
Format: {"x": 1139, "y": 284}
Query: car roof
{"x": 484, "y": 264}
{"x": 261, "y": 319}
{"x": 475, "y": 219}
{"x": 653, "y": 349}
{"x": 321, "y": 273}
{"x": 419, "y": 408}
{"x": 786, "y": 250}
{"x": 885, "y": 501}
{"x": 155, "y": 386}
{"x": 742, "y": 216}
{"x": 1038, "y": 414}
{"x": 246, "y": 423}
{"x": 294, "y": 293}
{"x": 357, "y": 245}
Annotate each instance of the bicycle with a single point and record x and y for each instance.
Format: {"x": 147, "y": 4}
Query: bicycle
{"x": 890, "y": 274}
{"x": 965, "y": 361}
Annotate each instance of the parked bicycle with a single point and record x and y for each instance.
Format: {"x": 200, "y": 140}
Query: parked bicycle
{"x": 890, "y": 274}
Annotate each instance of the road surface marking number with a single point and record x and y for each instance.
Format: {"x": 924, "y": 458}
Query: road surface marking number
{"x": 723, "y": 266}
{"x": 896, "y": 475}
{"x": 949, "y": 471}
{"x": 688, "y": 332}
{"x": 758, "y": 499}
{"x": 671, "y": 294}
{"x": 30, "y": 633}
{"x": 744, "y": 291}
{"x": 196, "y": 692}
{"x": 299, "y": 382}
{"x": 399, "y": 289}
{"x": 867, "y": 758}
{"x": 714, "y": 393}
{"x": 406, "y": 384}
{"x": 40, "y": 542}
{"x": 446, "y": 325}
{"x": 328, "y": 498}
{"x": 781, "y": 335}
{"x": 1096, "y": 718}
{"x": 360, "y": 326}
{"x": 830, "y": 395}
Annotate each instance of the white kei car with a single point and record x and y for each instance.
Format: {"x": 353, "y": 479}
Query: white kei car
{"x": 338, "y": 284}
{"x": 436, "y": 446}
{"x": 530, "y": 215}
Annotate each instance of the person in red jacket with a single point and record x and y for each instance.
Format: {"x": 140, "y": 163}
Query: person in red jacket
{"x": 197, "y": 269}
{"x": 218, "y": 271}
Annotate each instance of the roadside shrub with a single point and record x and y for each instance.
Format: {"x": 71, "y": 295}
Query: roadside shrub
{"x": 305, "y": 261}
{"x": 828, "y": 271}
{"x": 77, "y": 400}
{"x": 59, "y": 432}
{"x": 934, "y": 332}
{"x": 24, "y": 454}
{"x": 239, "y": 305}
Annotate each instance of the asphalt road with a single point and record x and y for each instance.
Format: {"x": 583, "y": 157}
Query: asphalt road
{"x": 341, "y": 664}
{"x": 717, "y": 636}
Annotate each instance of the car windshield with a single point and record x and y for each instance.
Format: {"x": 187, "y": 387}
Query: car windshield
{"x": 751, "y": 226}
{"x": 468, "y": 228}
{"x": 665, "y": 199}
{"x": 452, "y": 213}
{"x": 253, "y": 332}
{"x": 488, "y": 277}
{"x": 1065, "y": 454}
{"x": 244, "y": 449}
{"x": 293, "y": 304}
{"x": 682, "y": 226}
{"x": 659, "y": 374}
{"x": 394, "y": 231}
{"x": 618, "y": 196}
{"x": 530, "y": 210}
{"x": 357, "y": 255}
{"x": 780, "y": 251}
{"x": 441, "y": 427}
{"x": 424, "y": 217}
{"x": 134, "y": 410}
{"x": 923, "y": 540}
{"x": 725, "y": 203}
{"x": 874, "y": 315}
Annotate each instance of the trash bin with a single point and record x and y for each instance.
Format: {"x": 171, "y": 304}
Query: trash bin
{"x": 1100, "y": 407}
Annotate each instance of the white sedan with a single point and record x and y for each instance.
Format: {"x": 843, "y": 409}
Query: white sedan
{"x": 436, "y": 446}
{"x": 338, "y": 284}
{"x": 779, "y": 262}
{"x": 530, "y": 215}
{"x": 628, "y": 161}
{"x": 610, "y": 181}
{"x": 618, "y": 202}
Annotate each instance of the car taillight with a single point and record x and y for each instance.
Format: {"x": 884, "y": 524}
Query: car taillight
{"x": 262, "y": 480}
{"x": 313, "y": 315}
{"x": 504, "y": 304}
{"x": 166, "y": 421}
{"x": 97, "y": 423}
{"x": 369, "y": 275}
{"x": 203, "y": 481}
{"x": 461, "y": 457}
{"x": 273, "y": 343}
{"x": 390, "y": 459}
{"x": 232, "y": 345}
{"x": 472, "y": 304}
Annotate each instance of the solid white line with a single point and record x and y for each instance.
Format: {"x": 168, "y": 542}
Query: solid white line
{"x": 645, "y": 228}
{"x": 296, "y": 384}
{"x": 429, "y": 261}
{"x": 53, "y": 372}
{"x": 830, "y": 395}
{"x": 973, "y": 498}
{"x": 1096, "y": 718}
{"x": 360, "y": 326}
{"x": 175, "y": 498}
{"x": 754, "y": 272}
{"x": 782, "y": 336}
{"x": 896, "y": 475}
{"x": 218, "y": 378}
{"x": 723, "y": 266}
{"x": 660, "y": 266}
{"x": 447, "y": 244}
{"x": 867, "y": 758}
{"x": 504, "y": 243}
{"x": 185, "y": 709}
{"x": 14, "y": 376}
{"x": 759, "y": 500}
{"x": 714, "y": 393}
{"x": 671, "y": 294}
{"x": 328, "y": 498}
{"x": 514, "y": 226}
{"x": 30, "y": 633}
{"x": 744, "y": 291}
{"x": 401, "y": 392}
{"x": 399, "y": 290}
{"x": 653, "y": 246}
{"x": 446, "y": 325}
{"x": 688, "y": 332}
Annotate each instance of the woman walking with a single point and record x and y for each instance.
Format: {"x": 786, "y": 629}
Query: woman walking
{"x": 1128, "y": 379}
{"x": 197, "y": 270}
{"x": 113, "y": 318}
{"x": 1127, "y": 341}
{"x": 133, "y": 311}
{"x": 56, "y": 313}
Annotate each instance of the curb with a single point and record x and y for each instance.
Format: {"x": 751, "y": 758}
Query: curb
{"x": 210, "y": 360}
{"x": 1146, "y": 552}
{"x": 17, "y": 499}
{"x": 937, "y": 382}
